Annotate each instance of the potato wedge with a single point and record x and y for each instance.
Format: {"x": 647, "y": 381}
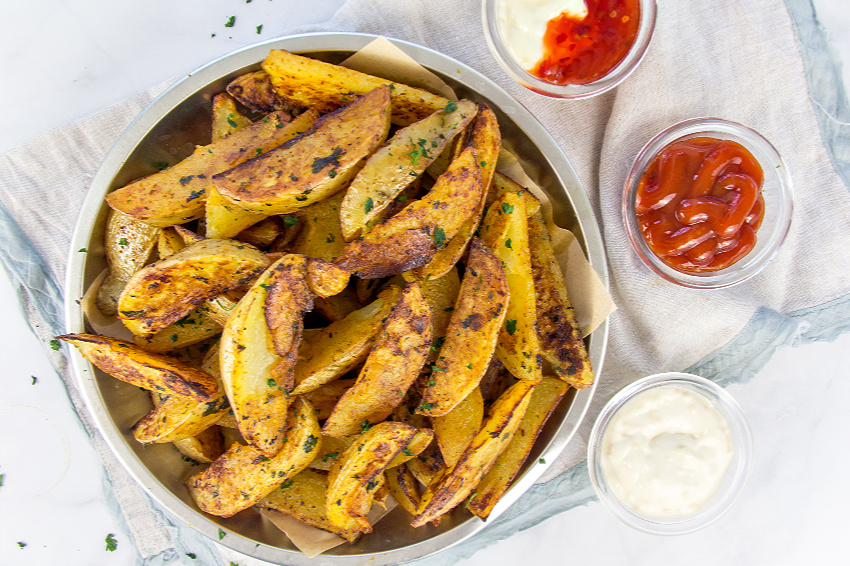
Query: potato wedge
{"x": 129, "y": 244}
{"x": 255, "y": 91}
{"x": 472, "y": 334}
{"x": 178, "y": 417}
{"x": 455, "y": 429}
{"x": 393, "y": 364}
{"x": 220, "y": 307}
{"x": 544, "y": 398}
{"x": 403, "y": 487}
{"x": 226, "y": 117}
{"x": 177, "y": 194}
{"x": 503, "y": 184}
{"x": 259, "y": 348}
{"x": 325, "y": 397}
{"x": 354, "y": 475}
{"x": 155, "y": 372}
{"x": 243, "y": 475}
{"x": 304, "y": 497}
{"x": 313, "y": 166}
{"x": 411, "y": 237}
{"x": 429, "y": 461}
{"x": 166, "y": 291}
{"x": 325, "y": 87}
{"x": 456, "y": 483}
{"x": 343, "y": 344}
{"x": 193, "y": 328}
{"x": 397, "y": 164}
{"x": 560, "y": 337}
{"x": 486, "y": 139}
{"x": 332, "y": 448}
{"x": 263, "y": 233}
{"x": 505, "y": 231}
{"x": 320, "y": 235}
{"x": 324, "y": 278}
{"x": 205, "y": 447}
{"x": 418, "y": 444}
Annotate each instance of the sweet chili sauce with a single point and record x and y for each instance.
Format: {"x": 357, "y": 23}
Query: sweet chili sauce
{"x": 699, "y": 204}
{"x": 580, "y": 51}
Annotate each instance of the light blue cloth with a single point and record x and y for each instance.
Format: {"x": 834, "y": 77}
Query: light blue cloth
{"x": 35, "y": 268}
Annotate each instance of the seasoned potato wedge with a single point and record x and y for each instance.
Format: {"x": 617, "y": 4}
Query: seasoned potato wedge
{"x": 191, "y": 329}
{"x": 429, "y": 461}
{"x": 324, "y": 278}
{"x": 325, "y": 87}
{"x": 255, "y": 91}
{"x": 155, "y": 372}
{"x": 325, "y": 397}
{"x": 243, "y": 475}
{"x": 263, "y": 233}
{"x": 486, "y": 139}
{"x": 471, "y": 337}
{"x": 403, "y": 487}
{"x": 560, "y": 336}
{"x": 420, "y": 441}
{"x": 411, "y": 237}
{"x": 169, "y": 242}
{"x": 505, "y": 231}
{"x": 178, "y": 417}
{"x": 219, "y": 308}
{"x": 393, "y": 364}
{"x": 455, "y": 429}
{"x": 128, "y": 244}
{"x": 503, "y": 184}
{"x": 259, "y": 348}
{"x": 332, "y": 448}
{"x": 354, "y": 475}
{"x": 456, "y": 483}
{"x": 343, "y": 344}
{"x": 226, "y": 117}
{"x": 205, "y": 447}
{"x": 320, "y": 235}
{"x": 544, "y": 398}
{"x": 397, "y": 164}
{"x": 177, "y": 194}
{"x": 166, "y": 291}
{"x": 314, "y": 165}
{"x": 441, "y": 295}
{"x": 304, "y": 497}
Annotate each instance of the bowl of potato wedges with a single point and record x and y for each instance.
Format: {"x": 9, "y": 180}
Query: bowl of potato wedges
{"x": 316, "y": 309}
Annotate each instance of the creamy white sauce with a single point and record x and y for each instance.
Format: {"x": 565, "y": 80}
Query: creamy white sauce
{"x": 665, "y": 452}
{"x": 523, "y": 23}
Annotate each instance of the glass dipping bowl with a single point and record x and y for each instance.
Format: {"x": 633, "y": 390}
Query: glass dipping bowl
{"x": 736, "y": 475}
{"x": 778, "y": 200}
{"x": 496, "y": 41}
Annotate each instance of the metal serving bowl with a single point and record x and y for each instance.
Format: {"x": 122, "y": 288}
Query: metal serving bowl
{"x": 167, "y": 131}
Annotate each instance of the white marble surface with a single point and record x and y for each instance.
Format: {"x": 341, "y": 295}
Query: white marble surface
{"x": 69, "y": 59}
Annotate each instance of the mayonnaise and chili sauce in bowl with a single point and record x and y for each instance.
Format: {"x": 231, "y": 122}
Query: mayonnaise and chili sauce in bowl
{"x": 707, "y": 203}
{"x": 670, "y": 453}
{"x": 569, "y": 48}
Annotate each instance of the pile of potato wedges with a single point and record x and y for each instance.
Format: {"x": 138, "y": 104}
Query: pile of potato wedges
{"x": 337, "y": 300}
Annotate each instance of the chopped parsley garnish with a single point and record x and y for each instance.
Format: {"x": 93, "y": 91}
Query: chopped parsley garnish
{"x": 419, "y": 151}
{"x": 123, "y": 242}
{"x": 439, "y": 236}
{"x": 55, "y": 345}
{"x": 230, "y": 22}
{"x": 111, "y": 543}
{"x": 541, "y": 461}
{"x": 507, "y": 208}
{"x": 34, "y": 380}
{"x": 231, "y": 122}
{"x": 310, "y": 443}
{"x": 333, "y": 455}
{"x": 22, "y": 544}
{"x": 271, "y": 382}
{"x": 259, "y": 29}
{"x": 286, "y": 484}
{"x": 83, "y": 251}
{"x": 426, "y": 406}
{"x": 221, "y": 534}
{"x": 191, "y": 555}
{"x": 508, "y": 244}
{"x": 407, "y": 452}
{"x": 364, "y": 426}
{"x": 438, "y": 343}
{"x": 468, "y": 366}
{"x": 320, "y": 163}
{"x": 450, "y": 107}
{"x": 468, "y": 501}
{"x": 290, "y": 221}
{"x": 368, "y": 205}
{"x": 510, "y": 326}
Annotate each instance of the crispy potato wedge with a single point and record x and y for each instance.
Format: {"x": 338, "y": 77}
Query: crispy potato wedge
{"x": 325, "y": 278}
{"x": 177, "y": 194}
{"x": 259, "y": 349}
{"x": 191, "y": 329}
{"x": 325, "y": 397}
{"x": 263, "y": 233}
{"x": 441, "y": 295}
{"x": 155, "y": 372}
{"x": 486, "y": 139}
{"x": 325, "y": 87}
{"x": 219, "y": 308}
{"x": 455, "y": 429}
{"x": 178, "y": 417}
{"x": 320, "y": 235}
{"x": 544, "y": 398}
{"x": 410, "y": 238}
{"x": 255, "y": 91}
{"x": 393, "y": 364}
{"x": 472, "y": 334}
{"x": 355, "y": 474}
{"x": 503, "y": 184}
{"x": 397, "y": 164}
{"x": 169, "y": 242}
{"x": 560, "y": 337}
{"x": 205, "y": 447}
{"x": 403, "y": 487}
{"x": 456, "y": 483}
{"x": 226, "y": 117}
{"x": 166, "y": 291}
{"x": 343, "y": 344}
{"x": 304, "y": 497}
{"x": 429, "y": 461}
{"x": 505, "y": 231}
{"x": 243, "y": 475}
{"x": 420, "y": 441}
{"x": 129, "y": 244}
{"x": 332, "y": 448}
{"x": 314, "y": 165}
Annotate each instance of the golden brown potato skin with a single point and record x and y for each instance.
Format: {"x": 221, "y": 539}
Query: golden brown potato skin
{"x": 326, "y": 87}
{"x": 177, "y": 417}
{"x": 455, "y": 429}
{"x": 411, "y": 237}
{"x": 314, "y": 165}
{"x": 164, "y": 292}
{"x": 156, "y": 372}
{"x": 226, "y": 118}
{"x": 255, "y": 91}
{"x": 392, "y": 366}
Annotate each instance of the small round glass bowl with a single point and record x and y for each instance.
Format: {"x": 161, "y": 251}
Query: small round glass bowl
{"x": 778, "y": 200}
{"x": 736, "y": 475}
{"x": 496, "y": 39}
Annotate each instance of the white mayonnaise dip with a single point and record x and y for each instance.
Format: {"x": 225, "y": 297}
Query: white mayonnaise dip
{"x": 523, "y": 23}
{"x": 665, "y": 452}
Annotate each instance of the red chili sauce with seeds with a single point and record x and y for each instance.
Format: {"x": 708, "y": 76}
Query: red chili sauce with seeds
{"x": 699, "y": 204}
{"x": 580, "y": 51}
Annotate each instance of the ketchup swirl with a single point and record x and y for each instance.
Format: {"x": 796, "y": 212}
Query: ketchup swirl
{"x": 699, "y": 204}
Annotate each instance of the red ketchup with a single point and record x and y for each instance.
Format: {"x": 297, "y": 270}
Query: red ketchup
{"x": 580, "y": 51}
{"x": 699, "y": 204}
